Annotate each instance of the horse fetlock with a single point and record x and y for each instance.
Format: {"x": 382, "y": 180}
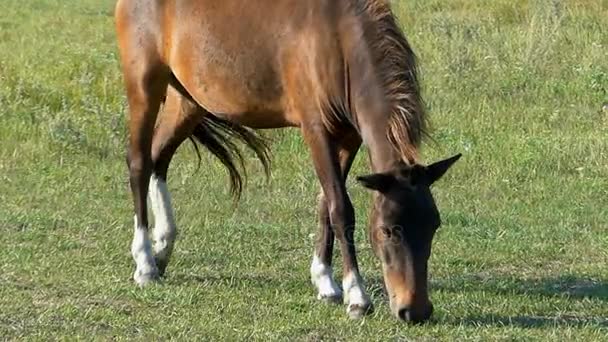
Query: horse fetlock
{"x": 356, "y": 311}
{"x": 357, "y": 301}
{"x": 321, "y": 276}
{"x": 161, "y": 264}
{"x": 163, "y": 247}
{"x": 164, "y": 232}
{"x": 162, "y": 253}
{"x": 327, "y": 290}
{"x": 141, "y": 250}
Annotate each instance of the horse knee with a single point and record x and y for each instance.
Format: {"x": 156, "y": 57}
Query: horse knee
{"x": 341, "y": 215}
{"x": 138, "y": 164}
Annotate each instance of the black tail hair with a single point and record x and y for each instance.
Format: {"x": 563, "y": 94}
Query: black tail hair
{"x": 219, "y": 136}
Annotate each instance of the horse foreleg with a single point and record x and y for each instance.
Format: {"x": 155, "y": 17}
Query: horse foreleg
{"x": 321, "y": 271}
{"x": 341, "y": 214}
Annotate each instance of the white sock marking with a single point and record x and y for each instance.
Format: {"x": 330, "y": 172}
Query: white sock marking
{"x": 164, "y": 230}
{"x": 142, "y": 254}
{"x": 354, "y": 293}
{"x": 322, "y": 277}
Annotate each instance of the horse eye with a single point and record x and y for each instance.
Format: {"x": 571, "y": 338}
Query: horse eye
{"x": 388, "y": 234}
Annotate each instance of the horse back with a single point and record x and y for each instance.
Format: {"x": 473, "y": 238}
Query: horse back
{"x": 244, "y": 59}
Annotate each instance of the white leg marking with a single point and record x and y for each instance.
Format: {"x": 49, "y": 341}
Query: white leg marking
{"x": 322, "y": 277}
{"x": 164, "y": 231}
{"x": 145, "y": 268}
{"x": 354, "y": 295}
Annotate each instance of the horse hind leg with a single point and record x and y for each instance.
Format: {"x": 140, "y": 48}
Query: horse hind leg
{"x": 321, "y": 271}
{"x": 144, "y": 100}
{"x": 176, "y": 123}
{"x": 164, "y": 231}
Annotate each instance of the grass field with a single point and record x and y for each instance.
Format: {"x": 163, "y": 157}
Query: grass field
{"x": 517, "y": 86}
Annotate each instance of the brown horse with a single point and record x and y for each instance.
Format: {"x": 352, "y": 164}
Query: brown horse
{"x": 340, "y": 70}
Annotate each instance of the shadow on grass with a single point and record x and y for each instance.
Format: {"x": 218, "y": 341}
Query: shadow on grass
{"x": 564, "y": 286}
{"x": 527, "y": 321}
{"x": 567, "y": 286}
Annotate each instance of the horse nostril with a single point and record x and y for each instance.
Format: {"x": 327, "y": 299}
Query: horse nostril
{"x": 405, "y": 314}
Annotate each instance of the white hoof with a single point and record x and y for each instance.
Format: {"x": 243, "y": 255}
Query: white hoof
{"x": 333, "y": 296}
{"x": 145, "y": 267}
{"x": 357, "y": 311}
{"x": 322, "y": 278}
{"x": 143, "y": 278}
{"x": 164, "y": 232}
{"x": 357, "y": 301}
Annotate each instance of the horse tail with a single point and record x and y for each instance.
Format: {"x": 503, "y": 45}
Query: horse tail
{"x": 220, "y": 137}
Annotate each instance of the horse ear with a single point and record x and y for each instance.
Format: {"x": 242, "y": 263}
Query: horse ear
{"x": 377, "y": 181}
{"x": 438, "y": 169}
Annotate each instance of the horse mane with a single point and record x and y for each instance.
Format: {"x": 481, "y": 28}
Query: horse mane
{"x": 398, "y": 73}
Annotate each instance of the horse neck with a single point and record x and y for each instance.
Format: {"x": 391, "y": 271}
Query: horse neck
{"x": 373, "y": 115}
{"x": 371, "y": 100}
{"x": 384, "y": 157}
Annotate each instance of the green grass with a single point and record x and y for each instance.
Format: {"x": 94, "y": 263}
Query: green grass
{"x": 517, "y": 86}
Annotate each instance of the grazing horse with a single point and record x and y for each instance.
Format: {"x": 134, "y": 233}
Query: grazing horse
{"x": 340, "y": 70}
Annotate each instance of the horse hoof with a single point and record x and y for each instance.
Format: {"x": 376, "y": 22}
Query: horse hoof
{"x": 161, "y": 264}
{"x": 358, "y": 311}
{"x": 145, "y": 278}
{"x": 334, "y": 298}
